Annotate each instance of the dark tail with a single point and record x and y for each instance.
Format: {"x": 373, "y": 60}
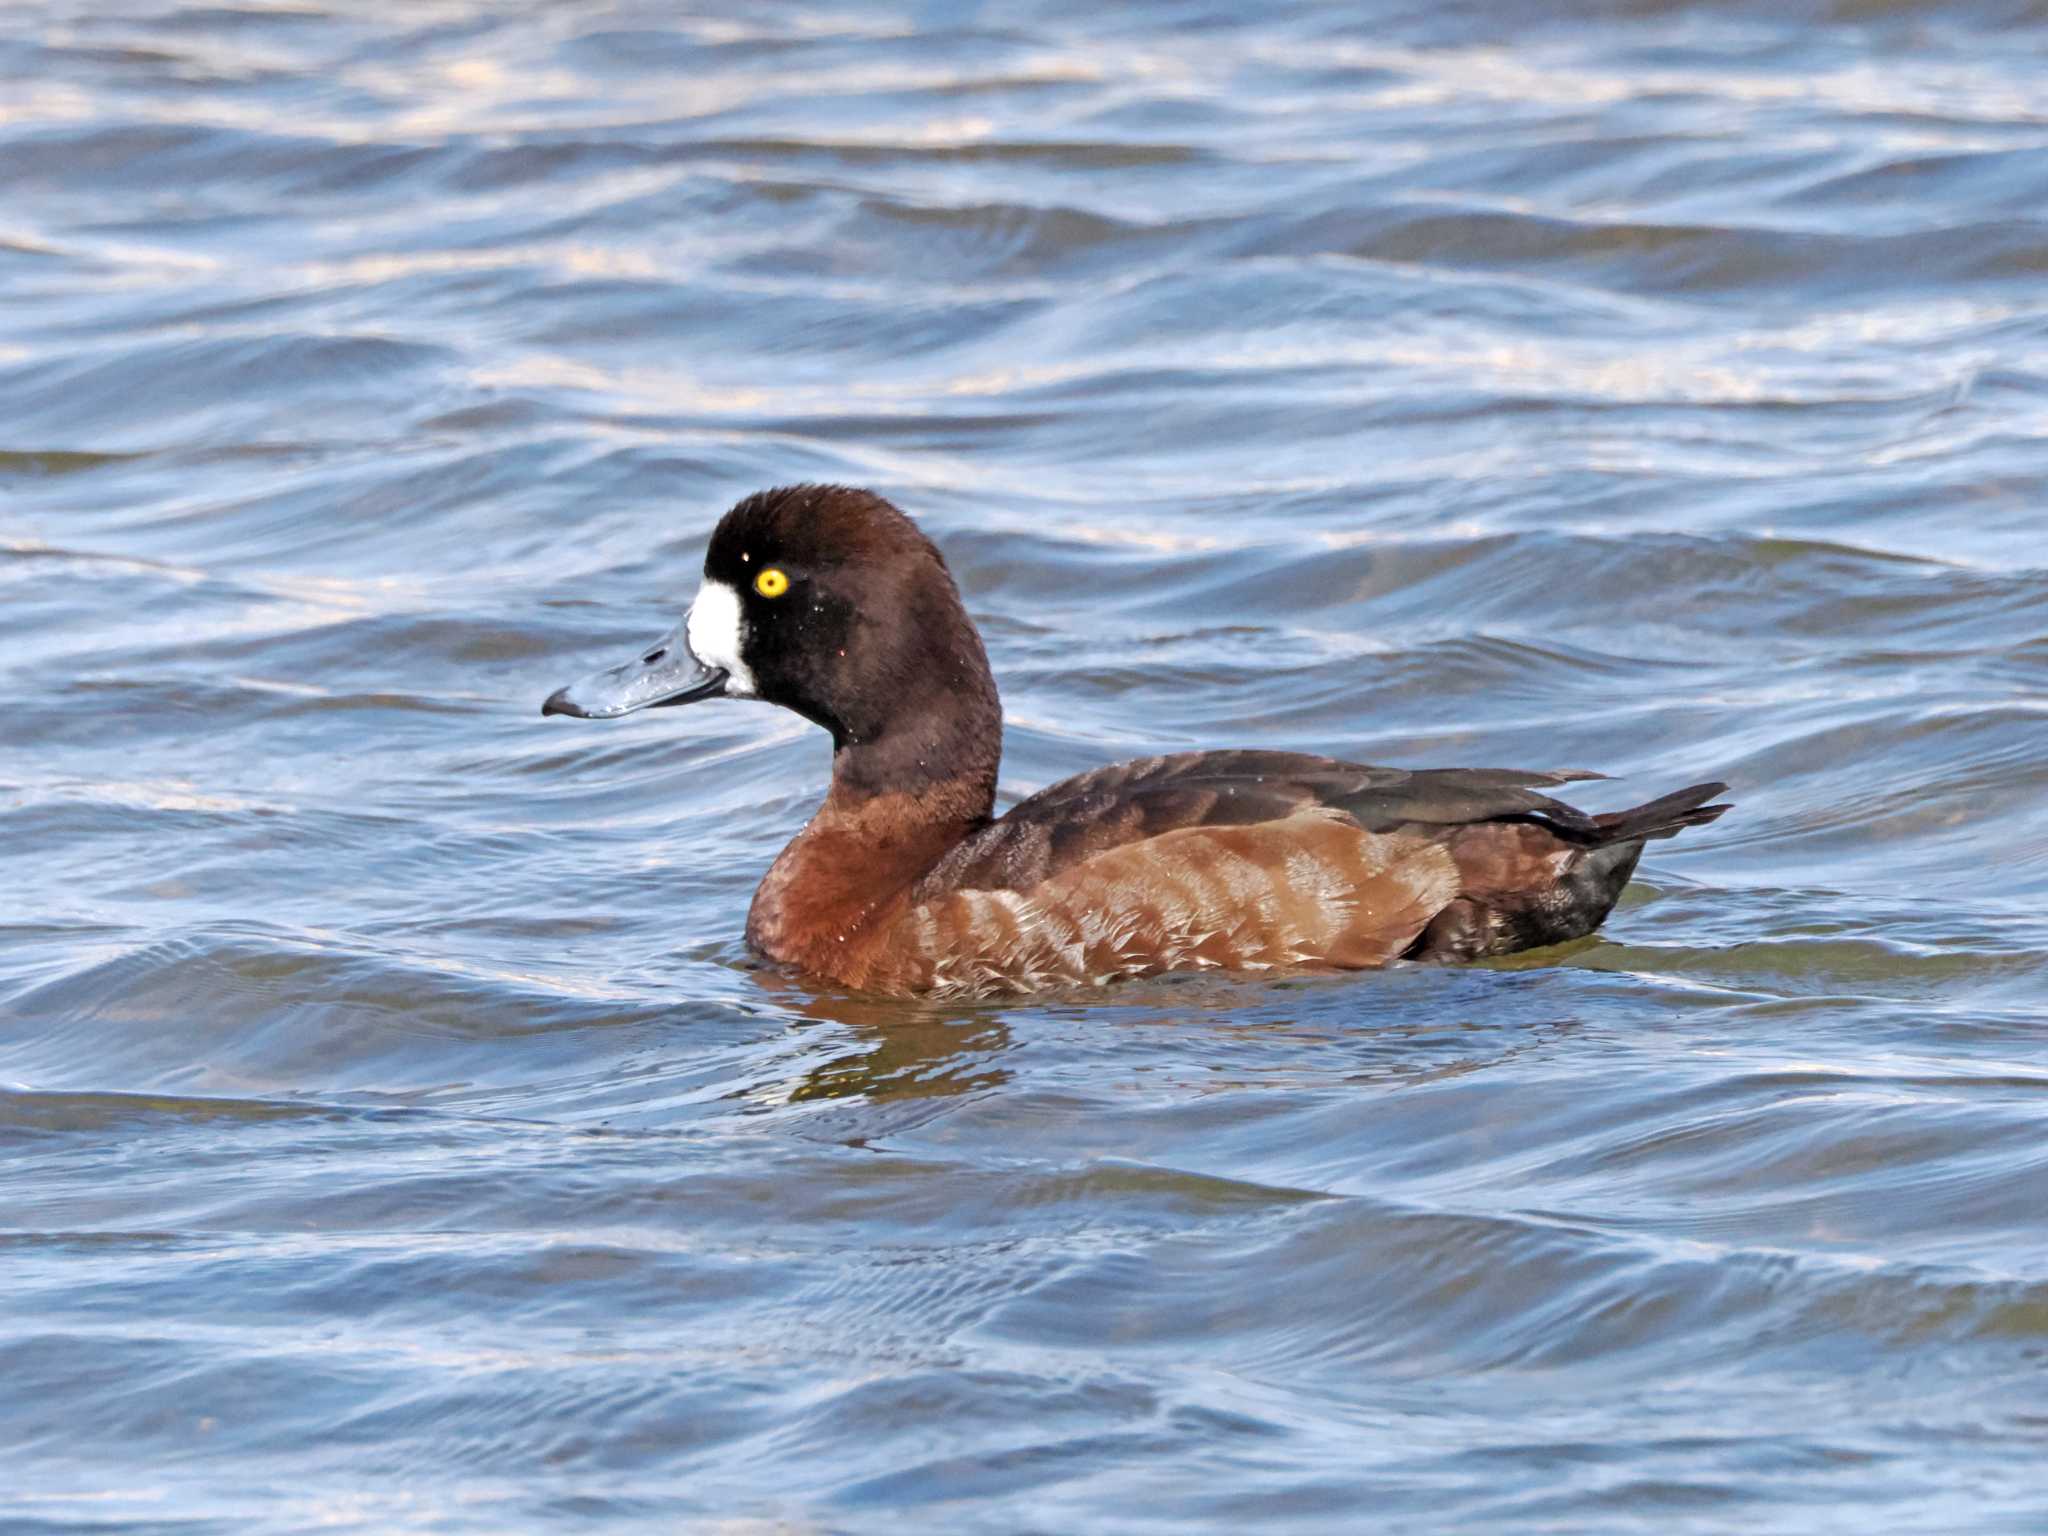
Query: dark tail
{"x": 1666, "y": 816}
{"x": 1558, "y": 907}
{"x": 1596, "y": 881}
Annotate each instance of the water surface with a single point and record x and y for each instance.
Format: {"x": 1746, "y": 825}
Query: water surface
{"x": 397, "y": 1136}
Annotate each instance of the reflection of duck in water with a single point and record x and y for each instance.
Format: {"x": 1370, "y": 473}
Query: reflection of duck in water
{"x": 884, "y": 1052}
{"x": 829, "y": 602}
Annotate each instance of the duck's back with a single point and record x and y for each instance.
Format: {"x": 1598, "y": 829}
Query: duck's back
{"x": 1252, "y": 860}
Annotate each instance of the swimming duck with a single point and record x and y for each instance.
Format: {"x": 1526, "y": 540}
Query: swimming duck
{"x": 828, "y": 601}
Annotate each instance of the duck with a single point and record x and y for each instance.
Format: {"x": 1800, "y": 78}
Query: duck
{"x": 830, "y": 602}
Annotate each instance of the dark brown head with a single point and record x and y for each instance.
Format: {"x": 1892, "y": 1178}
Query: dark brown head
{"x": 827, "y": 601}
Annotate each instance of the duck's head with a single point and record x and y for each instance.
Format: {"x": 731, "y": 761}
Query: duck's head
{"x": 823, "y": 599}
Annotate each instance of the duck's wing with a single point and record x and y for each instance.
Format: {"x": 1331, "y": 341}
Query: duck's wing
{"x": 1108, "y": 808}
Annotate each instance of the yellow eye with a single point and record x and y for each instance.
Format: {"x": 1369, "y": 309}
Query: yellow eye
{"x": 771, "y": 583}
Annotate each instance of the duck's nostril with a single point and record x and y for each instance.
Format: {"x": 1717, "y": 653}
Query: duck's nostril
{"x": 653, "y": 656}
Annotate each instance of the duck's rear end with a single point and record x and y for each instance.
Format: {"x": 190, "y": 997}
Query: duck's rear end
{"x": 1527, "y": 882}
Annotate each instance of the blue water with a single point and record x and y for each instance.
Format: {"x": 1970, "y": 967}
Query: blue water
{"x": 394, "y": 1132}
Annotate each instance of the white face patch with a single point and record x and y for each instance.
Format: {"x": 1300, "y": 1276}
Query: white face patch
{"x": 715, "y": 630}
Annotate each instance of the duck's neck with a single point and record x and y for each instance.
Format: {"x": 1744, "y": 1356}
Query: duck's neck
{"x": 901, "y": 798}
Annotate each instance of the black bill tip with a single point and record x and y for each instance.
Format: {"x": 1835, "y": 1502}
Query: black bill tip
{"x": 559, "y": 703}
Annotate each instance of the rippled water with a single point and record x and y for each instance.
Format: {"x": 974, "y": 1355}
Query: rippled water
{"x": 396, "y": 1135}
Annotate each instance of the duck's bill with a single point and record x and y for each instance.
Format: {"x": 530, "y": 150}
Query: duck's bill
{"x": 665, "y": 673}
